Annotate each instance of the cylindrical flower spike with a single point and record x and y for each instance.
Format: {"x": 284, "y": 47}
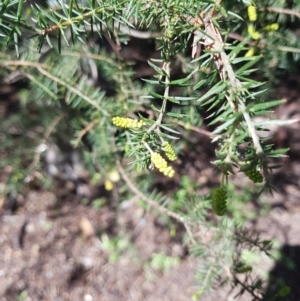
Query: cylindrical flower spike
{"x": 169, "y": 151}
{"x": 219, "y": 197}
{"x": 272, "y": 27}
{"x": 169, "y": 172}
{"x": 250, "y": 52}
{"x": 255, "y": 35}
{"x": 254, "y": 175}
{"x": 127, "y": 123}
{"x": 252, "y": 13}
{"x": 161, "y": 164}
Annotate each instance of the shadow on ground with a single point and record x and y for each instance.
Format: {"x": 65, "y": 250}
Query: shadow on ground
{"x": 286, "y": 272}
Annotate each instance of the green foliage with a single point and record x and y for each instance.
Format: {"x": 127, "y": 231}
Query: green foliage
{"x": 98, "y": 203}
{"x": 23, "y": 295}
{"x": 163, "y": 262}
{"x": 218, "y": 45}
{"x": 115, "y": 246}
{"x": 284, "y": 291}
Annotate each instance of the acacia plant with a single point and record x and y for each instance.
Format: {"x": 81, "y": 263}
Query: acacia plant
{"x": 59, "y": 47}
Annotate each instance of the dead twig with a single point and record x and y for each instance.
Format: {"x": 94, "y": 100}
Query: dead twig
{"x": 149, "y": 201}
{"x": 37, "y": 155}
{"x": 58, "y": 80}
{"x": 153, "y": 203}
{"x": 283, "y": 11}
{"x": 86, "y": 129}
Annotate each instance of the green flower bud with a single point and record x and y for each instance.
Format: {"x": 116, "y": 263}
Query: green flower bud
{"x": 169, "y": 151}
{"x": 254, "y": 175}
{"x": 219, "y": 197}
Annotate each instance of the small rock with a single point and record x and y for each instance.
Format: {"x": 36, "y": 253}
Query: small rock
{"x": 86, "y": 228}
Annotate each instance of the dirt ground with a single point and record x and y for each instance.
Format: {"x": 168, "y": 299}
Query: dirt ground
{"x": 55, "y": 254}
{"x": 53, "y": 247}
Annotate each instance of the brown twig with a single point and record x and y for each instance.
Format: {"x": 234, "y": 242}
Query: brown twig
{"x": 191, "y": 127}
{"x": 153, "y": 203}
{"x": 283, "y": 11}
{"x": 239, "y": 37}
{"x": 212, "y": 41}
{"x": 41, "y": 69}
{"x": 78, "y": 19}
{"x": 37, "y": 155}
{"x": 247, "y": 288}
{"x": 149, "y": 201}
{"x": 85, "y": 130}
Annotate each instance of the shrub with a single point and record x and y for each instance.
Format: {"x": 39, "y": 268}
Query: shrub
{"x": 216, "y": 45}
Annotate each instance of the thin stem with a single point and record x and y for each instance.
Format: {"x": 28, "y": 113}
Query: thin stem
{"x": 283, "y": 11}
{"x": 288, "y": 49}
{"x": 148, "y": 147}
{"x": 90, "y": 55}
{"x": 37, "y": 155}
{"x": 40, "y": 68}
{"x": 77, "y": 19}
{"x": 252, "y": 131}
{"x": 246, "y": 288}
{"x": 188, "y": 126}
{"x": 38, "y": 83}
{"x": 149, "y": 201}
{"x": 156, "y": 124}
{"x": 85, "y": 130}
{"x": 213, "y": 42}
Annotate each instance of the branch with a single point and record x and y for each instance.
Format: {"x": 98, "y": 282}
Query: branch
{"x": 137, "y": 33}
{"x": 149, "y": 201}
{"x": 213, "y": 42}
{"x": 86, "y": 129}
{"x": 37, "y": 155}
{"x": 283, "y": 11}
{"x": 238, "y": 37}
{"x": 97, "y": 11}
{"x": 188, "y": 126}
{"x": 41, "y": 69}
{"x": 167, "y": 70}
{"x": 247, "y": 288}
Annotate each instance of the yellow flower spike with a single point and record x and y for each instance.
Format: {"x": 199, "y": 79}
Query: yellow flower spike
{"x": 108, "y": 185}
{"x": 169, "y": 172}
{"x": 255, "y": 35}
{"x": 114, "y": 176}
{"x": 250, "y": 52}
{"x": 272, "y": 27}
{"x": 252, "y": 15}
{"x": 161, "y": 164}
{"x": 170, "y": 153}
{"x": 128, "y": 123}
